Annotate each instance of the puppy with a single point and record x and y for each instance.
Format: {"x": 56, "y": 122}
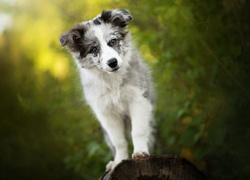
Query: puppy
{"x": 117, "y": 84}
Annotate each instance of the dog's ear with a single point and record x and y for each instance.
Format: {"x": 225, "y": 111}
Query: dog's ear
{"x": 118, "y": 18}
{"x": 72, "y": 36}
{"x": 64, "y": 39}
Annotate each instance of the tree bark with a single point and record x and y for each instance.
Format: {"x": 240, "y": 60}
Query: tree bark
{"x": 160, "y": 167}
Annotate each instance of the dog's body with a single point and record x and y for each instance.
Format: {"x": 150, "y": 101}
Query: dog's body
{"x": 117, "y": 84}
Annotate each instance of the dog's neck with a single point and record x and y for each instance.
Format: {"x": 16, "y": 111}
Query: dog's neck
{"x": 102, "y": 79}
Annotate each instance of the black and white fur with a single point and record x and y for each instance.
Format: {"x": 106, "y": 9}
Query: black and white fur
{"x": 116, "y": 82}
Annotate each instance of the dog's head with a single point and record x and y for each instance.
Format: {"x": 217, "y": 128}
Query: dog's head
{"x": 101, "y": 42}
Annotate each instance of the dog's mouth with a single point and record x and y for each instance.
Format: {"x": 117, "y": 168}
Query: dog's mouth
{"x": 115, "y": 69}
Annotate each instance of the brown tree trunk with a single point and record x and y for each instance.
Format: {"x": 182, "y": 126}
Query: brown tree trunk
{"x": 161, "y": 167}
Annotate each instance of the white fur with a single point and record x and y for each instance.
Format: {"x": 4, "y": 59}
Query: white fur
{"x": 108, "y": 100}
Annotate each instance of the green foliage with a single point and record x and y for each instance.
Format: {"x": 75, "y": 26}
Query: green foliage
{"x": 202, "y": 71}
{"x": 199, "y": 54}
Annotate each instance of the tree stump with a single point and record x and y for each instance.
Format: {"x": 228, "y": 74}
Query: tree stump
{"x": 159, "y": 167}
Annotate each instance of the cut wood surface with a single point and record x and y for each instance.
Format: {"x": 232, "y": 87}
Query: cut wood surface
{"x": 158, "y": 167}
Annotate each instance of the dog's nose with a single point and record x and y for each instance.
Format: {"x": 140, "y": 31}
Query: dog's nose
{"x": 112, "y": 63}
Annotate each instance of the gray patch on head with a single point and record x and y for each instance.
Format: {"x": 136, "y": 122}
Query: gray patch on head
{"x": 81, "y": 42}
{"x": 97, "y": 21}
{"x": 118, "y": 18}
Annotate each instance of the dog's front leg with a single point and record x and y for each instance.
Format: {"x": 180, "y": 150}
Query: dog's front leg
{"x": 141, "y": 117}
{"x": 114, "y": 126}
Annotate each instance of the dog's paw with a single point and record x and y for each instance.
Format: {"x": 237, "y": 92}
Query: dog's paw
{"x": 111, "y": 165}
{"x": 138, "y": 155}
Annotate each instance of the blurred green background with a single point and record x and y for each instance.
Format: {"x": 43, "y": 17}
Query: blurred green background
{"x": 199, "y": 53}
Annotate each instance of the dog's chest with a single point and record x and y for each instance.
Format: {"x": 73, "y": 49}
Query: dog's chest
{"x": 109, "y": 95}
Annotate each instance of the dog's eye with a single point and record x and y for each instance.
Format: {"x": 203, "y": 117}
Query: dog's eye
{"x": 93, "y": 50}
{"x": 112, "y": 42}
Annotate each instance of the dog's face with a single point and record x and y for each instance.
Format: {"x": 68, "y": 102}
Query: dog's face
{"x": 101, "y": 42}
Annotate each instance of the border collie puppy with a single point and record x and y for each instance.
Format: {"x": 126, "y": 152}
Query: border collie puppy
{"x": 117, "y": 84}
